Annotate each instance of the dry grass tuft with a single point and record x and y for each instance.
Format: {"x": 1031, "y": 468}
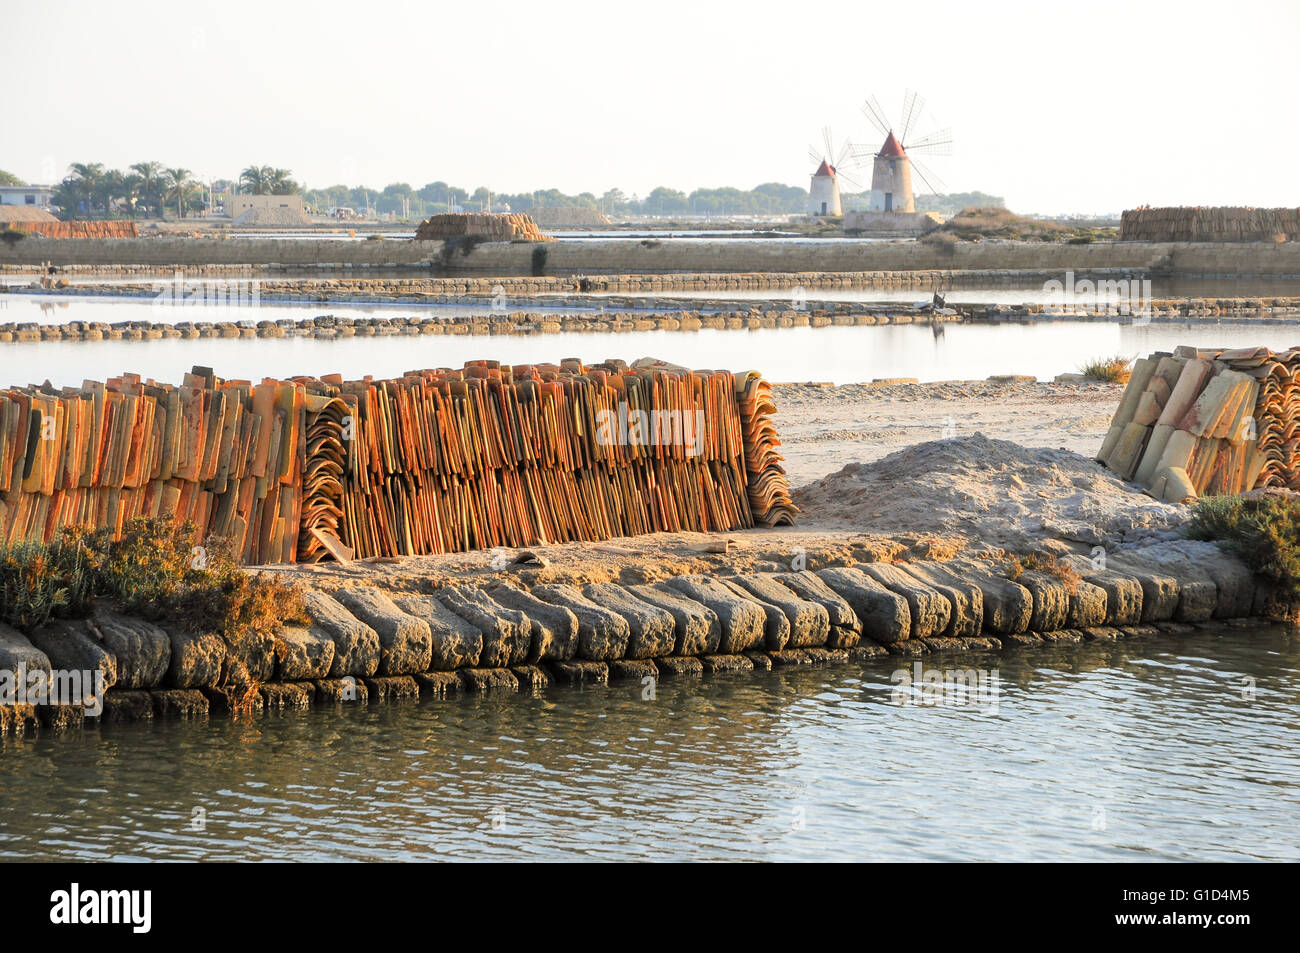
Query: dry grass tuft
{"x": 1110, "y": 370}
{"x": 1048, "y": 565}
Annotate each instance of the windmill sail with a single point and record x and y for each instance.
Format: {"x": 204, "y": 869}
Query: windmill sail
{"x": 936, "y": 143}
{"x": 913, "y": 103}
{"x": 871, "y": 109}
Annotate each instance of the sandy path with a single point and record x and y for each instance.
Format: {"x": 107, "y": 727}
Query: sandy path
{"x": 823, "y": 428}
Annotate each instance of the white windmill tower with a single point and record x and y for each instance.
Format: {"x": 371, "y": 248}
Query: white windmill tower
{"x": 824, "y": 189}
{"x": 892, "y": 164}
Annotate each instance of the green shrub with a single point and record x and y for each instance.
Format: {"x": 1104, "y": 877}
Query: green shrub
{"x": 939, "y": 239}
{"x": 38, "y": 582}
{"x": 157, "y": 570}
{"x": 1262, "y": 531}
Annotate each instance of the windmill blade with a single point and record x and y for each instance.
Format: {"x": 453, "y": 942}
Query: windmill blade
{"x": 930, "y": 179}
{"x": 862, "y": 155}
{"x": 857, "y": 185}
{"x": 904, "y": 117}
{"x": 935, "y": 144}
{"x": 814, "y": 155}
{"x": 913, "y": 106}
{"x": 826, "y": 140}
{"x": 871, "y": 109}
{"x": 845, "y": 151}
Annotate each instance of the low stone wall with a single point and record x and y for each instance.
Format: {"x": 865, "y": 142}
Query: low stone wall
{"x": 618, "y": 314}
{"x": 330, "y": 327}
{"x": 367, "y": 644}
{"x": 669, "y": 255}
{"x": 275, "y": 277}
{"x": 889, "y": 224}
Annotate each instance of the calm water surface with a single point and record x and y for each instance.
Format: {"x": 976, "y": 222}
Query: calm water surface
{"x": 842, "y": 355}
{"x": 1152, "y": 749}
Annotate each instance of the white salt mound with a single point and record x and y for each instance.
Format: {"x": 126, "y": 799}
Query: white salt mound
{"x": 993, "y": 491}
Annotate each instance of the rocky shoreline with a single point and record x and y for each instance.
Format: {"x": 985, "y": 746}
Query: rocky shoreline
{"x": 366, "y": 644}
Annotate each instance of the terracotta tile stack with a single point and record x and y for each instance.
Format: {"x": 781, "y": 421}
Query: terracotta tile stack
{"x": 80, "y": 229}
{"x": 495, "y": 228}
{"x": 1204, "y": 422}
{"x": 435, "y": 461}
{"x": 226, "y": 455}
{"x": 327, "y": 465}
{"x": 1209, "y": 224}
{"x": 514, "y": 456}
{"x": 768, "y": 488}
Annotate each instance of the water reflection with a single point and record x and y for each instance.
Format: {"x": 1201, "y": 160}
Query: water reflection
{"x": 843, "y": 355}
{"x": 1145, "y": 749}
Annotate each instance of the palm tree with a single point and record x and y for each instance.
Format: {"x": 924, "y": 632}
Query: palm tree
{"x": 178, "y": 181}
{"x": 150, "y": 184}
{"x": 87, "y": 176}
{"x": 266, "y": 180}
{"x": 281, "y": 182}
{"x": 111, "y": 186}
{"x": 256, "y": 179}
{"x": 130, "y": 188}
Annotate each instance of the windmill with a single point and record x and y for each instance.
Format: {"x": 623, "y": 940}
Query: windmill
{"x": 892, "y": 165}
{"x": 824, "y": 190}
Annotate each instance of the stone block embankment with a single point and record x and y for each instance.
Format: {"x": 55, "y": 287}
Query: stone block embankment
{"x": 621, "y": 314}
{"x": 331, "y": 327}
{"x": 366, "y": 644}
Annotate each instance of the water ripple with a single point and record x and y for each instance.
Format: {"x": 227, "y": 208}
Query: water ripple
{"x": 1151, "y": 750}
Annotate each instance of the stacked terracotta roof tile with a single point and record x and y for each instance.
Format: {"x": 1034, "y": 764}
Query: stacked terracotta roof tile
{"x": 435, "y": 461}
{"x": 1209, "y": 224}
{"x": 57, "y": 229}
{"x": 1204, "y": 422}
{"x": 326, "y": 470}
{"x": 768, "y": 488}
{"x": 226, "y": 455}
{"x": 497, "y": 228}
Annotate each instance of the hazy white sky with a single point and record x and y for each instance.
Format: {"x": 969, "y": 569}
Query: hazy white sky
{"x": 1058, "y": 107}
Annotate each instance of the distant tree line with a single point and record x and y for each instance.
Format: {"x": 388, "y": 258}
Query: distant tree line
{"x": 953, "y": 202}
{"x": 150, "y": 190}
{"x": 401, "y": 199}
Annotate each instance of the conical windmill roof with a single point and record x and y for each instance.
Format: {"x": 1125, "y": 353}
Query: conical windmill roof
{"x": 824, "y": 169}
{"x": 891, "y": 148}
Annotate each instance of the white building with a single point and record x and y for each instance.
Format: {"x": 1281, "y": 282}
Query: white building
{"x": 891, "y": 179}
{"x": 824, "y": 191}
{"x": 38, "y": 196}
{"x": 237, "y": 205}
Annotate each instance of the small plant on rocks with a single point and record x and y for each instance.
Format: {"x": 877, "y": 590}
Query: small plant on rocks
{"x": 1262, "y": 529}
{"x": 1047, "y": 564}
